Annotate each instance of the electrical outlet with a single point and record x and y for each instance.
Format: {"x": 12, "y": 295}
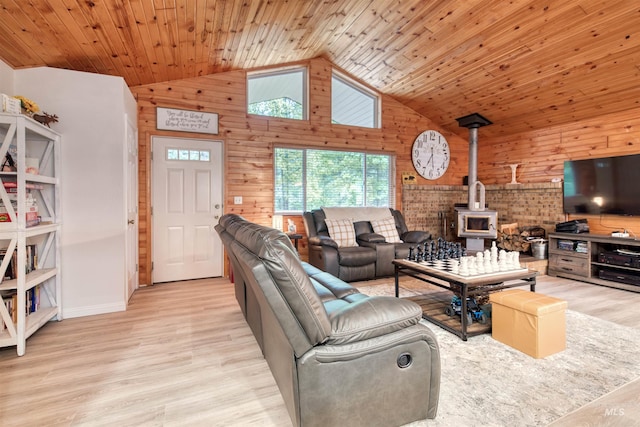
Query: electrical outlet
{"x": 237, "y": 200}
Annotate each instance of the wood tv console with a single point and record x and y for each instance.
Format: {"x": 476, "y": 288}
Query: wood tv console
{"x": 596, "y": 258}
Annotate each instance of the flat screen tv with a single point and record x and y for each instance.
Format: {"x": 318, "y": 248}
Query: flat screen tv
{"x": 609, "y": 185}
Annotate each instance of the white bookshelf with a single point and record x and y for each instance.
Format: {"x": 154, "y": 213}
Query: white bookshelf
{"x": 25, "y": 138}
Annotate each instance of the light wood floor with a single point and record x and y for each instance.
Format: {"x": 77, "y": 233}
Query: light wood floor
{"x": 181, "y": 354}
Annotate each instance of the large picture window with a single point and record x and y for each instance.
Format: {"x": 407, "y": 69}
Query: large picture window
{"x": 280, "y": 93}
{"x": 309, "y": 179}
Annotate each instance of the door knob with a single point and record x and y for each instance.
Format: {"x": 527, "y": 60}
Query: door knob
{"x": 216, "y": 206}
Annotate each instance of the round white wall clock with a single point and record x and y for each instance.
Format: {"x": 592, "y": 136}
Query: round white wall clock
{"x": 430, "y": 154}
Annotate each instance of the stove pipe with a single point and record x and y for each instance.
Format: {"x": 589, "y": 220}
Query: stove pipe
{"x": 473, "y": 159}
{"x": 473, "y": 122}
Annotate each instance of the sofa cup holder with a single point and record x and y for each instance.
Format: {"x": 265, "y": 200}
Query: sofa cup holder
{"x": 405, "y": 360}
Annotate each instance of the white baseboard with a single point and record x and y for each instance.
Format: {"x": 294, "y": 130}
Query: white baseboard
{"x": 69, "y": 313}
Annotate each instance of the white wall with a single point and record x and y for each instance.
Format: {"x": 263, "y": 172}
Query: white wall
{"x": 6, "y": 79}
{"x": 91, "y": 110}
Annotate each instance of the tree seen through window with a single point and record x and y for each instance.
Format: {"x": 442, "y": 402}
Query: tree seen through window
{"x": 309, "y": 179}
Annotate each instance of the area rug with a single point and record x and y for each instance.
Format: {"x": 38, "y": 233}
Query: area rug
{"x": 487, "y": 383}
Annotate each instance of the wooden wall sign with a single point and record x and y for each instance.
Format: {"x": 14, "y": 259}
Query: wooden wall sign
{"x": 186, "y": 120}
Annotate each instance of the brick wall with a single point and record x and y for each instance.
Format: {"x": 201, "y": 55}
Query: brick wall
{"x": 426, "y": 207}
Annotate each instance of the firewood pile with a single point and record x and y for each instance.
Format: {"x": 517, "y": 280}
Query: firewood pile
{"x": 514, "y": 238}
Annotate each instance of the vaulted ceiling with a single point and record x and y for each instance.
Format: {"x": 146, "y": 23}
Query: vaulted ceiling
{"x": 524, "y": 64}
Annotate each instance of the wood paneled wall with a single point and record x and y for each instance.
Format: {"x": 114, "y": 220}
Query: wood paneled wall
{"x": 541, "y": 155}
{"x": 249, "y": 141}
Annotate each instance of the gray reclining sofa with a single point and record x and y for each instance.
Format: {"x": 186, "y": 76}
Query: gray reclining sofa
{"x": 369, "y": 257}
{"x": 339, "y": 357}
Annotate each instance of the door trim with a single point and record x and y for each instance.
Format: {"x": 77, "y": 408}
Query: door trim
{"x": 131, "y": 126}
{"x": 149, "y": 211}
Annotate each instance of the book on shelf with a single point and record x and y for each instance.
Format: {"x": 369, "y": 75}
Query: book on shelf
{"x": 32, "y": 218}
{"x": 29, "y": 185}
{"x": 30, "y": 211}
{"x": 33, "y": 300}
{"x": 6, "y": 297}
{"x": 31, "y": 261}
{"x": 10, "y": 271}
{"x": 10, "y": 301}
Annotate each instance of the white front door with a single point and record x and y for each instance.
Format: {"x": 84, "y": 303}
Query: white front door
{"x": 132, "y": 207}
{"x": 187, "y": 202}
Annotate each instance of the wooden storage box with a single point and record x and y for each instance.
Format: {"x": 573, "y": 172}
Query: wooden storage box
{"x": 529, "y": 322}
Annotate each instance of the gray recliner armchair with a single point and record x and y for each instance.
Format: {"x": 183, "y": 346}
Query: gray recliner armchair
{"x": 339, "y": 357}
{"x": 371, "y": 257}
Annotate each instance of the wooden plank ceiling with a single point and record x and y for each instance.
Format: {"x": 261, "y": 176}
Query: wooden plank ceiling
{"x": 524, "y": 64}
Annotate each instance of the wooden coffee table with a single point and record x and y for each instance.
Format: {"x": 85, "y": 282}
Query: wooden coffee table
{"x": 434, "y": 303}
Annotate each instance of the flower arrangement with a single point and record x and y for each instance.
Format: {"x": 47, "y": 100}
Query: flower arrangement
{"x": 28, "y": 105}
